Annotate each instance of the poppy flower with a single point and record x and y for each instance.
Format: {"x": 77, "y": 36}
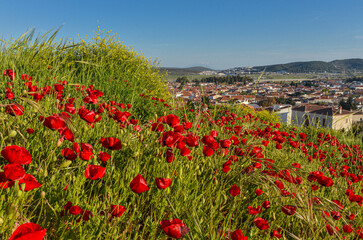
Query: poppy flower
{"x": 159, "y": 127}
{"x": 30, "y": 131}
{"x": 207, "y": 151}
{"x": 163, "y": 183}
{"x": 185, "y": 151}
{"x": 277, "y": 233}
{"x": 30, "y": 182}
{"x": 169, "y": 156}
{"x": 66, "y": 133}
{"x": 28, "y": 231}
{"x": 258, "y": 192}
{"x": 103, "y": 156}
{"x": 14, "y": 109}
{"x": 238, "y": 235}
{"x": 14, "y": 172}
{"x": 4, "y": 182}
{"x": 330, "y": 229}
{"x": 225, "y": 143}
{"x": 254, "y": 211}
{"x": 172, "y": 120}
{"x": 88, "y": 115}
{"x": 86, "y": 155}
{"x": 288, "y": 209}
{"x": 111, "y": 143}
{"x": 75, "y": 210}
{"x": 261, "y": 223}
{"x": 16, "y": 154}
{"x": 266, "y": 204}
{"x": 174, "y": 228}
{"x": 192, "y": 140}
{"x": 69, "y": 154}
{"x": 325, "y": 181}
{"x": 94, "y": 172}
{"x": 54, "y": 122}
{"x": 138, "y": 184}
{"x": 117, "y": 210}
{"x": 348, "y": 228}
{"x": 234, "y": 190}
{"x": 210, "y": 142}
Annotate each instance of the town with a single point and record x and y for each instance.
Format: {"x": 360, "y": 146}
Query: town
{"x": 327, "y": 103}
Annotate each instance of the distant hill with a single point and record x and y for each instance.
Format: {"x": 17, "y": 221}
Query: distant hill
{"x": 348, "y": 65}
{"x": 184, "y": 71}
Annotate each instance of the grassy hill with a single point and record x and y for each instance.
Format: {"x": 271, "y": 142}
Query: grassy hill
{"x": 316, "y": 66}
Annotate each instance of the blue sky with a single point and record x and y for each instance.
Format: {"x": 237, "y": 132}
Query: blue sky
{"x": 219, "y": 34}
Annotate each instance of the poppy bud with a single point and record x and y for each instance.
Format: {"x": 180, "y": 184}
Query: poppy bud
{"x": 65, "y": 164}
{"x": 10, "y": 210}
{"x": 12, "y": 133}
{"x": 42, "y": 194}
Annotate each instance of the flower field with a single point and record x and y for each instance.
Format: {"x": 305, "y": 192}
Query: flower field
{"x": 90, "y": 151}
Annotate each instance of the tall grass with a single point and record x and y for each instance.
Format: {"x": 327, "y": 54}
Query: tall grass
{"x": 200, "y": 191}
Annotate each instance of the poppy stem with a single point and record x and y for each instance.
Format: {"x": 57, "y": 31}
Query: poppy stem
{"x": 176, "y": 214}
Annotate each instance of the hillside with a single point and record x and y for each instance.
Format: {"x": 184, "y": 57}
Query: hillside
{"x": 184, "y": 71}
{"x": 347, "y": 65}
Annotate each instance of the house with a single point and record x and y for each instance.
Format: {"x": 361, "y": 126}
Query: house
{"x": 322, "y": 116}
{"x": 284, "y": 111}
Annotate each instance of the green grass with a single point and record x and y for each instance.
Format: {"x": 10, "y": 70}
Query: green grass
{"x": 199, "y": 191}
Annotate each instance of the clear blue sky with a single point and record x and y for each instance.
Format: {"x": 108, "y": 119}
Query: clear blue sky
{"x": 219, "y": 34}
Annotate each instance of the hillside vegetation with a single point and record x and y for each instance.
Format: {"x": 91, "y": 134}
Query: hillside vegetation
{"x": 347, "y": 65}
{"x": 93, "y": 147}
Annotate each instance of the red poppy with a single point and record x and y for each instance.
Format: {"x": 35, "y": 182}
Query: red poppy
{"x": 277, "y": 233}
{"x": 174, "y": 228}
{"x": 16, "y": 154}
{"x": 14, "y": 172}
{"x": 75, "y": 210}
{"x": 261, "y": 223}
{"x": 117, "y": 210}
{"x": 330, "y": 230}
{"x": 69, "y": 154}
{"x": 169, "y": 156}
{"x": 207, "y": 151}
{"x": 94, "y": 172}
{"x": 14, "y": 109}
{"x": 28, "y": 231}
{"x": 103, "y": 156}
{"x": 88, "y": 115}
{"x": 185, "y": 151}
{"x": 10, "y": 73}
{"x": 258, "y": 192}
{"x": 266, "y": 204}
{"x": 66, "y": 133}
{"x": 54, "y": 122}
{"x": 254, "y": 211}
{"x": 348, "y": 228}
{"x": 234, "y": 190}
{"x": 86, "y": 155}
{"x": 111, "y": 143}
{"x": 159, "y": 127}
{"x": 30, "y": 182}
{"x": 172, "y": 120}
{"x": 325, "y": 181}
{"x": 30, "y": 131}
{"x": 138, "y": 184}
{"x": 4, "y": 182}
{"x": 238, "y": 235}
{"x": 163, "y": 183}
{"x": 288, "y": 209}
{"x": 210, "y": 142}
{"x": 225, "y": 143}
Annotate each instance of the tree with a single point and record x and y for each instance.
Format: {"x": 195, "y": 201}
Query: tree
{"x": 349, "y": 104}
